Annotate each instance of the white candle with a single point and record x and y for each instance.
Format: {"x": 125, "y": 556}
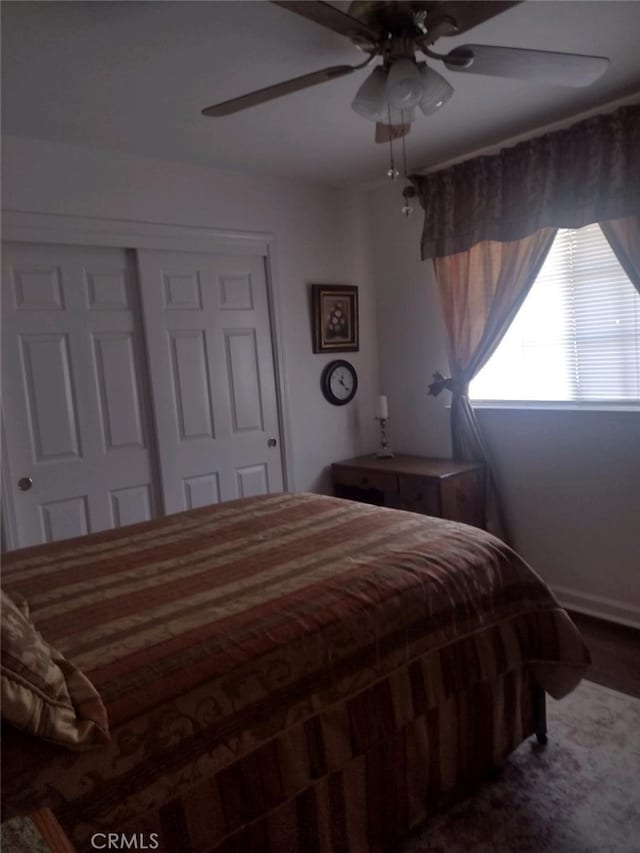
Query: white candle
{"x": 382, "y": 409}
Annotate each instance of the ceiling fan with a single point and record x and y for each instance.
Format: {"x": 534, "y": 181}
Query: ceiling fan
{"x": 397, "y": 31}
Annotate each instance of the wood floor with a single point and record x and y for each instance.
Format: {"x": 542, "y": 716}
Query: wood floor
{"x": 615, "y": 653}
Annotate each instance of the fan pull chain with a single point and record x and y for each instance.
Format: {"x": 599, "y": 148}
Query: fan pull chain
{"x": 406, "y": 207}
{"x": 404, "y": 152}
{"x": 392, "y": 172}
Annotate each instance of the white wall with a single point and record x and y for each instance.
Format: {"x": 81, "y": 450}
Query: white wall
{"x": 570, "y": 480}
{"x": 319, "y": 237}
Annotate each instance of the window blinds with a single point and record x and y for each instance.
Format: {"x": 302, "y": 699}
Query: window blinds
{"x": 576, "y": 336}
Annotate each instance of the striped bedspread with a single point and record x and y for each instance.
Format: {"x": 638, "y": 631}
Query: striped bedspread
{"x": 249, "y": 653}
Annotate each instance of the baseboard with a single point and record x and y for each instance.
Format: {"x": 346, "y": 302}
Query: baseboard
{"x": 598, "y": 605}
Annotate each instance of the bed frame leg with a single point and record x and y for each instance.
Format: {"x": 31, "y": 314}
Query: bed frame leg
{"x": 540, "y": 715}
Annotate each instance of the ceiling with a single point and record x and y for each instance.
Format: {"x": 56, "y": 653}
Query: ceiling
{"x": 133, "y": 76}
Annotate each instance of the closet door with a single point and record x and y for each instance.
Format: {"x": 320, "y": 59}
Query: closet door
{"x": 208, "y": 332}
{"x": 76, "y": 434}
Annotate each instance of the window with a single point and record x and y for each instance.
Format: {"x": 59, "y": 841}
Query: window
{"x": 577, "y": 334}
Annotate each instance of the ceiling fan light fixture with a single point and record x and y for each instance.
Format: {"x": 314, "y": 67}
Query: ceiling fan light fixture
{"x": 371, "y": 98}
{"x": 436, "y": 90}
{"x": 404, "y": 86}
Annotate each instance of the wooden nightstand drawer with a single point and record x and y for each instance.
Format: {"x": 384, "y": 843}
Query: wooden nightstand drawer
{"x": 463, "y": 499}
{"x": 371, "y": 487}
{"x": 419, "y": 495}
{"x": 360, "y": 479}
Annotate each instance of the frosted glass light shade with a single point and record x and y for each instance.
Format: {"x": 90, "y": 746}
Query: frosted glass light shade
{"x": 436, "y": 91}
{"x": 404, "y": 85}
{"x": 371, "y": 98}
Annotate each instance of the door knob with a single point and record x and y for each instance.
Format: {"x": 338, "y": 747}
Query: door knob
{"x": 272, "y": 442}
{"x": 25, "y": 483}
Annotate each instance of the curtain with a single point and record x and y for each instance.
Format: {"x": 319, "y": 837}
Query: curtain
{"x": 489, "y": 223}
{"x": 624, "y": 238}
{"x": 481, "y": 291}
{"x": 589, "y": 172}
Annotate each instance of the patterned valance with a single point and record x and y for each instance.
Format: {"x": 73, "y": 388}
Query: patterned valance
{"x": 589, "y": 172}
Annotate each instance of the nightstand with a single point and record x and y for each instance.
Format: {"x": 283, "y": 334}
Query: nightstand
{"x": 453, "y": 490}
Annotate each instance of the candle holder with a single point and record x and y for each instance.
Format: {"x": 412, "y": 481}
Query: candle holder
{"x": 385, "y": 451}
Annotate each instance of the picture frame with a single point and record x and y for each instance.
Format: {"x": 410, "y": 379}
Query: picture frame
{"x": 335, "y": 318}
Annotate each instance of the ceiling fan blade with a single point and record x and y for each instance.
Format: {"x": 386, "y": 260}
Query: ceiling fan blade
{"x": 269, "y": 93}
{"x": 389, "y": 132}
{"x": 469, "y": 13}
{"x": 328, "y": 16}
{"x": 543, "y": 66}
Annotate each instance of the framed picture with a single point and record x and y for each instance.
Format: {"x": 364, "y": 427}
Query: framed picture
{"x": 335, "y": 318}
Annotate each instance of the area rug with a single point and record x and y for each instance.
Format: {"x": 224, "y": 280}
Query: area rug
{"x": 580, "y": 794}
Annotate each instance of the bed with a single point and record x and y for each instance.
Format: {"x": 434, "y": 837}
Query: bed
{"x": 290, "y": 673}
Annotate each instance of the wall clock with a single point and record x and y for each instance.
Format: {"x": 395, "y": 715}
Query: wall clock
{"x": 339, "y": 382}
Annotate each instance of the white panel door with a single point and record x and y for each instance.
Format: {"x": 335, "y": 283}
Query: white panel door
{"x": 73, "y": 402}
{"x": 208, "y": 334}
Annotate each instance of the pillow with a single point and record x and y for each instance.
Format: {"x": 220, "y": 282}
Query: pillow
{"x": 42, "y": 692}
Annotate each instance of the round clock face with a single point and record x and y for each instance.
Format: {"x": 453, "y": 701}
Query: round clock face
{"x": 339, "y": 382}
